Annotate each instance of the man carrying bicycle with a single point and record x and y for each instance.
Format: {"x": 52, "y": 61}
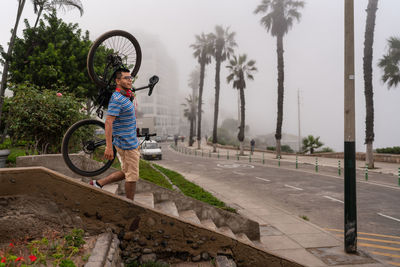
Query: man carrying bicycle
{"x": 121, "y": 125}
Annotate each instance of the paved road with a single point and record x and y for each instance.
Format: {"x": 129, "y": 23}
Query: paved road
{"x": 303, "y": 192}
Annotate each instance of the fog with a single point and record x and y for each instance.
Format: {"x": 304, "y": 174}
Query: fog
{"x": 314, "y": 58}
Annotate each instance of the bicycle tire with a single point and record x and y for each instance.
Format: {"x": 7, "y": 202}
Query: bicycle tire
{"x": 120, "y": 41}
{"x": 74, "y": 160}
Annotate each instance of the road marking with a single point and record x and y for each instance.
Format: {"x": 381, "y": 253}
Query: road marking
{"x": 363, "y": 233}
{"x": 266, "y": 180}
{"x": 293, "y": 187}
{"x": 386, "y": 216}
{"x": 378, "y": 240}
{"x": 218, "y": 169}
{"x": 384, "y": 254}
{"x": 238, "y": 173}
{"x": 333, "y": 199}
{"x": 393, "y": 263}
{"x": 361, "y": 244}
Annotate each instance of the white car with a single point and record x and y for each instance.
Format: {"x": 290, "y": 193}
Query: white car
{"x": 150, "y": 150}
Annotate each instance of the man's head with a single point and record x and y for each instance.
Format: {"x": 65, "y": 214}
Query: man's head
{"x": 123, "y": 78}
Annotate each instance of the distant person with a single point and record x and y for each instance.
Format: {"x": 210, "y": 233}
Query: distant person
{"x": 176, "y": 139}
{"x": 252, "y": 144}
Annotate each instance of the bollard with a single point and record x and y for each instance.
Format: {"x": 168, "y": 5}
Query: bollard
{"x": 263, "y": 159}
{"x": 339, "y": 167}
{"x": 297, "y": 163}
{"x": 316, "y": 164}
{"x": 279, "y": 161}
{"x": 195, "y": 153}
{"x": 250, "y": 158}
{"x": 227, "y": 154}
{"x": 366, "y": 172}
{"x": 209, "y": 154}
{"x": 201, "y": 152}
{"x": 237, "y": 155}
{"x": 399, "y": 176}
{"x": 218, "y": 154}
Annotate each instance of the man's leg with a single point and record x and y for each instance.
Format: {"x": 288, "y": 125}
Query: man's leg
{"x": 130, "y": 188}
{"x": 112, "y": 178}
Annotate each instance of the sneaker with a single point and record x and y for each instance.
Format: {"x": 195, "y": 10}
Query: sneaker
{"x": 95, "y": 184}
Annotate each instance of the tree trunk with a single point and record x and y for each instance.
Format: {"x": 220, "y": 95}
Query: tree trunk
{"x": 368, "y": 88}
{"x": 242, "y": 116}
{"x": 202, "y": 70}
{"x": 38, "y": 16}
{"x": 216, "y": 105}
{"x": 278, "y": 133}
{"x": 241, "y": 148}
{"x": 191, "y": 141}
{"x": 21, "y": 4}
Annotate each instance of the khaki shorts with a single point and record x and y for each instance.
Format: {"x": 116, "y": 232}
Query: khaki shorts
{"x": 129, "y": 160}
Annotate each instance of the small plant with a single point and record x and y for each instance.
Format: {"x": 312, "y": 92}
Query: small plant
{"x": 304, "y": 217}
{"x": 53, "y": 248}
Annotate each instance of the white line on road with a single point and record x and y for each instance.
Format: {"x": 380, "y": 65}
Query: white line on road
{"x": 218, "y": 169}
{"x": 238, "y": 173}
{"x": 386, "y": 216}
{"x": 266, "y": 180}
{"x": 293, "y": 187}
{"x": 333, "y": 199}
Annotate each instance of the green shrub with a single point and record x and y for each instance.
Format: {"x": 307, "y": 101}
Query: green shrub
{"x": 325, "y": 150}
{"x": 284, "y": 148}
{"x": 41, "y": 117}
{"x": 389, "y": 150}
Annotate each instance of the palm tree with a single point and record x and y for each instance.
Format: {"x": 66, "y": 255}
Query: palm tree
{"x": 310, "y": 144}
{"x": 278, "y": 22}
{"x": 390, "y": 63}
{"x": 190, "y": 113}
{"x": 7, "y": 57}
{"x": 368, "y": 89}
{"x": 48, "y": 5}
{"x": 240, "y": 69}
{"x": 223, "y": 42}
{"x": 202, "y": 51}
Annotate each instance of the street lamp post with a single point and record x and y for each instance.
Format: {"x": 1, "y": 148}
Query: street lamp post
{"x": 350, "y": 206}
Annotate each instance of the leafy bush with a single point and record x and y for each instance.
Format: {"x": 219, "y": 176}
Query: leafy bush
{"x": 41, "y": 117}
{"x": 325, "y": 150}
{"x": 284, "y": 148}
{"x": 389, "y": 150}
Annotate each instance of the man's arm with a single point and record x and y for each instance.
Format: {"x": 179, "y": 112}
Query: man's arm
{"x": 109, "y": 153}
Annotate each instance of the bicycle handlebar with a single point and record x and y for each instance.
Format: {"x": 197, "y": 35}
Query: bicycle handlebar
{"x": 152, "y": 82}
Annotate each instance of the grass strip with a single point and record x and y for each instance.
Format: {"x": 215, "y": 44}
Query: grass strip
{"x": 146, "y": 172}
{"x": 192, "y": 190}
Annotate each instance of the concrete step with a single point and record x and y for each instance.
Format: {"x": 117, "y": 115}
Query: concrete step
{"x": 242, "y": 237}
{"x": 190, "y": 215}
{"x": 226, "y": 231}
{"x": 168, "y": 207}
{"x": 209, "y": 224}
{"x": 146, "y": 199}
{"x": 112, "y": 188}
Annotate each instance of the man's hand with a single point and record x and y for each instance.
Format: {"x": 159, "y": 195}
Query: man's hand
{"x": 109, "y": 153}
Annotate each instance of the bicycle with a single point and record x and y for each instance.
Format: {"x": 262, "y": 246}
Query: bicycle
{"x": 84, "y": 142}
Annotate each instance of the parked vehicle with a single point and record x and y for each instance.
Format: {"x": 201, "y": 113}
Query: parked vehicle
{"x": 150, "y": 150}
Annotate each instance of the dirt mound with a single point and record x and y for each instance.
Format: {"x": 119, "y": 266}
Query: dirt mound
{"x": 26, "y": 217}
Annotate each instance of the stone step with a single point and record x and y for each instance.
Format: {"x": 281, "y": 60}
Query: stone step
{"x": 209, "y": 224}
{"x": 190, "y": 215}
{"x": 226, "y": 231}
{"x": 146, "y": 199}
{"x": 242, "y": 237}
{"x": 168, "y": 207}
{"x": 112, "y": 188}
{"x": 223, "y": 261}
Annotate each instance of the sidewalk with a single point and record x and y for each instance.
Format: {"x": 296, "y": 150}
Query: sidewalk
{"x": 282, "y": 233}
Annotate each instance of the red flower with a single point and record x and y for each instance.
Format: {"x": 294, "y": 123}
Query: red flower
{"x": 59, "y": 94}
{"x": 32, "y": 258}
{"x": 3, "y": 259}
{"x": 11, "y": 245}
{"x": 19, "y": 259}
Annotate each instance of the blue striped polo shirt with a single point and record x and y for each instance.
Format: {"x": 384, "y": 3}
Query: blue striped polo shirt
{"x": 124, "y": 125}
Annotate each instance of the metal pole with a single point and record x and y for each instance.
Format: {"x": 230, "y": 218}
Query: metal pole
{"x": 297, "y": 164}
{"x": 227, "y": 154}
{"x": 366, "y": 172}
{"x": 279, "y": 161}
{"x": 350, "y": 206}
{"x": 316, "y": 164}
{"x": 250, "y": 158}
{"x": 263, "y": 159}
{"x": 339, "y": 168}
{"x": 399, "y": 176}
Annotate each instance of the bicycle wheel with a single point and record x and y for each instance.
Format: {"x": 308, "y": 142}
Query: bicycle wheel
{"x": 83, "y": 148}
{"x": 113, "y": 43}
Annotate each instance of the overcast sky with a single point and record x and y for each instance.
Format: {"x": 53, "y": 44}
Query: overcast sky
{"x": 313, "y": 58}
